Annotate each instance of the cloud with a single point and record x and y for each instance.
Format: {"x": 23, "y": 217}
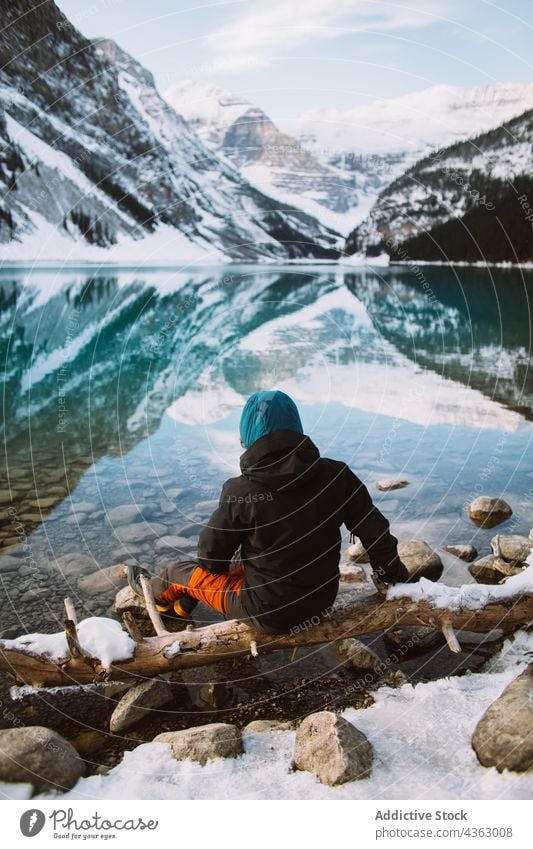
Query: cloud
{"x": 270, "y": 28}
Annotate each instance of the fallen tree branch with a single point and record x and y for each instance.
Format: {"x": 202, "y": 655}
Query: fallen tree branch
{"x": 352, "y": 616}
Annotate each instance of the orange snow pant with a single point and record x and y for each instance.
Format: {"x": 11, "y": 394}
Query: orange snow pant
{"x": 181, "y": 582}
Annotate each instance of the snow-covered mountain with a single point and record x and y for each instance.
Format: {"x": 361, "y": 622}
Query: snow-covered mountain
{"x": 414, "y": 123}
{"x": 276, "y": 163}
{"x": 472, "y": 201}
{"x": 95, "y": 164}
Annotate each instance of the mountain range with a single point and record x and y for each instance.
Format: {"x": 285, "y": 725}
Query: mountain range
{"x": 96, "y": 164}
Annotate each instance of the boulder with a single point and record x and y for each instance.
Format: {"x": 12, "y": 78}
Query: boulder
{"x": 204, "y": 742}
{"x": 260, "y": 725}
{"x": 357, "y": 553}
{"x": 463, "y": 552}
{"x": 353, "y": 654}
{"x": 391, "y": 483}
{"x": 487, "y": 512}
{"x": 332, "y": 749}
{"x": 492, "y": 570}
{"x": 173, "y": 544}
{"x": 504, "y": 735}
{"x": 511, "y": 547}
{"x": 140, "y": 532}
{"x": 102, "y": 581}
{"x": 125, "y": 514}
{"x": 421, "y": 561}
{"x": 72, "y": 564}
{"x": 140, "y": 701}
{"x": 39, "y": 756}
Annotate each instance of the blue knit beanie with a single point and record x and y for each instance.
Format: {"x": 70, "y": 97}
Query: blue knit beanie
{"x": 265, "y": 412}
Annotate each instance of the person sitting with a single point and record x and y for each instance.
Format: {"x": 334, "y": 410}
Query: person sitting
{"x": 269, "y": 554}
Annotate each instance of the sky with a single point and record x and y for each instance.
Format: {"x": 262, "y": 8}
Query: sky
{"x": 291, "y": 55}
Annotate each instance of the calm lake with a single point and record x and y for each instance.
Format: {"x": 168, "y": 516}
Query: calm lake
{"x": 124, "y": 389}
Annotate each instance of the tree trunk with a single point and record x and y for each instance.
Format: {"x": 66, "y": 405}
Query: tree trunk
{"x": 350, "y": 617}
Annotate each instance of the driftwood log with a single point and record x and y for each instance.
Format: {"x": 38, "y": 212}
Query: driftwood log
{"x": 353, "y": 615}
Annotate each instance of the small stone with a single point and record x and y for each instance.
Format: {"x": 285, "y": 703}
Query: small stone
{"x": 355, "y": 655}
{"x": 174, "y": 544}
{"x": 204, "y": 742}
{"x": 504, "y": 735}
{"x": 421, "y": 561}
{"x": 57, "y": 490}
{"x": 125, "y": 514}
{"x": 492, "y": 570}
{"x": 332, "y": 749}
{"x": 511, "y": 547}
{"x": 487, "y": 512}
{"x": 357, "y": 553}
{"x": 103, "y": 581}
{"x": 463, "y": 552}
{"x": 167, "y": 507}
{"x": 126, "y": 599}
{"x": 140, "y": 532}
{"x": 139, "y": 702}
{"x": 260, "y": 725}
{"x": 33, "y": 518}
{"x": 391, "y": 483}
{"x": 39, "y": 756}
{"x": 351, "y": 574}
{"x": 124, "y": 551}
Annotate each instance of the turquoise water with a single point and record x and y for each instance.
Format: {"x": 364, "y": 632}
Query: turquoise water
{"x": 125, "y": 387}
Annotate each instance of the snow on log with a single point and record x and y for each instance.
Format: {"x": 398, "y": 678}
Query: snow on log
{"x": 44, "y": 660}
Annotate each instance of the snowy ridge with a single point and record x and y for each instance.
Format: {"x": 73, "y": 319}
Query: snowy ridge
{"x": 97, "y": 156}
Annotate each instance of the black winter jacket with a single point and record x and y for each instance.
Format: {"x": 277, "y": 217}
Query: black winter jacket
{"x": 285, "y": 512}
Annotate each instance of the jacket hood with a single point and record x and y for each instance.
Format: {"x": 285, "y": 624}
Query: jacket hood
{"x": 265, "y": 412}
{"x": 283, "y": 459}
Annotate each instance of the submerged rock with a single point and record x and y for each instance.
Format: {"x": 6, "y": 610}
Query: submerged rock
{"x": 173, "y": 544}
{"x": 125, "y": 514}
{"x": 421, "y": 561}
{"x": 140, "y": 532}
{"x": 102, "y": 581}
{"x": 487, "y": 512}
{"x": 72, "y": 564}
{"x": 204, "y": 742}
{"x": 391, "y": 483}
{"x": 39, "y": 756}
{"x": 492, "y": 570}
{"x": 332, "y": 749}
{"x": 465, "y": 552}
{"x": 504, "y": 735}
{"x": 140, "y": 701}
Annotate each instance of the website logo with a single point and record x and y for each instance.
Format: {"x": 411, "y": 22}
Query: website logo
{"x": 32, "y": 822}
